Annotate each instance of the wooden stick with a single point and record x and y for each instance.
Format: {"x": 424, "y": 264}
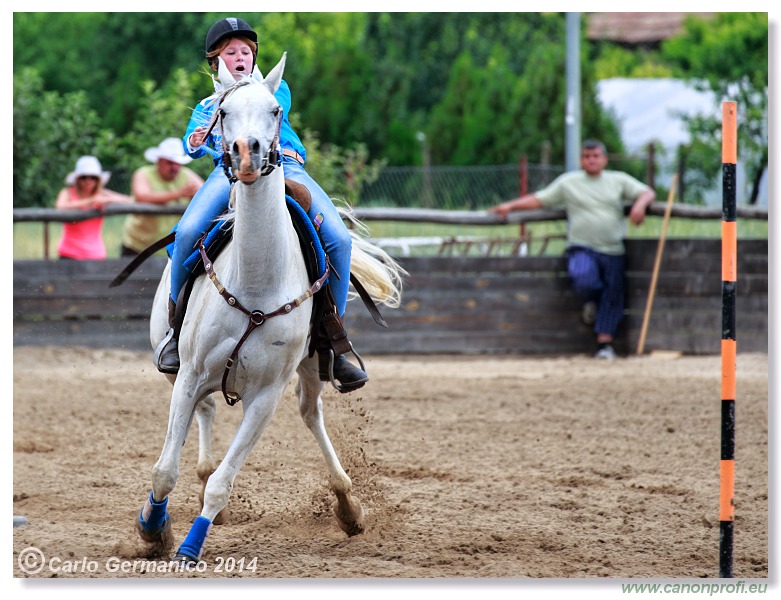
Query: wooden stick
{"x": 657, "y": 264}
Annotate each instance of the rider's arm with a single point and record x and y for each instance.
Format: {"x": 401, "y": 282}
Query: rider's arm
{"x": 200, "y": 117}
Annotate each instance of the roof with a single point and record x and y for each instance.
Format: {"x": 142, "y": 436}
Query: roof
{"x": 636, "y": 27}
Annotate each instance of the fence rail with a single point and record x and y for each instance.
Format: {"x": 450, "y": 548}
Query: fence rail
{"x": 468, "y": 305}
{"x": 412, "y": 215}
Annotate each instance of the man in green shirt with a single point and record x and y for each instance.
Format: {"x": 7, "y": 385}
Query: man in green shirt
{"x": 593, "y": 198}
{"x": 165, "y": 180}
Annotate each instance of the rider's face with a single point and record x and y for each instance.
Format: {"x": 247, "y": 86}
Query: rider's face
{"x": 238, "y": 58}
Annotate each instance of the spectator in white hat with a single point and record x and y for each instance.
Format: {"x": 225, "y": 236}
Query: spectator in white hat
{"x": 165, "y": 180}
{"x": 83, "y": 240}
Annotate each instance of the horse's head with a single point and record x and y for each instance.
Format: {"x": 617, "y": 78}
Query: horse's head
{"x": 251, "y": 117}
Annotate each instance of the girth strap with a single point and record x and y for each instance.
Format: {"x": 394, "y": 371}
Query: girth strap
{"x": 256, "y": 317}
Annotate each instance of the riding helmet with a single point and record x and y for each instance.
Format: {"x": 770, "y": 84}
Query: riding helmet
{"x": 230, "y": 27}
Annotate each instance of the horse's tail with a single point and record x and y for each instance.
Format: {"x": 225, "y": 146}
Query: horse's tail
{"x": 379, "y": 273}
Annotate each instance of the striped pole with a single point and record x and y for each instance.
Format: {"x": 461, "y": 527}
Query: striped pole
{"x": 729, "y": 252}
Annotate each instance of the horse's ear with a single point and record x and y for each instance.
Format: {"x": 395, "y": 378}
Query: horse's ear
{"x": 274, "y": 78}
{"x": 224, "y": 75}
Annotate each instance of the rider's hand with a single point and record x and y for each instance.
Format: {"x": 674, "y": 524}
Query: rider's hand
{"x": 197, "y": 137}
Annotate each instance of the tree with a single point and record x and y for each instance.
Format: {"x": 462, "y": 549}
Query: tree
{"x": 44, "y": 154}
{"x": 728, "y": 55}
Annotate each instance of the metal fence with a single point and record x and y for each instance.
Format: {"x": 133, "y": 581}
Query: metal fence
{"x": 454, "y": 188}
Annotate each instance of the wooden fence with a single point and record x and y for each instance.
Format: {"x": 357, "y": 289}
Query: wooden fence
{"x": 452, "y": 304}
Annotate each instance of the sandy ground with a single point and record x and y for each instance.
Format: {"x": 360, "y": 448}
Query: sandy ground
{"x": 468, "y": 467}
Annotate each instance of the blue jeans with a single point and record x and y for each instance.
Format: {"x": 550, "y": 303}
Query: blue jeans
{"x": 599, "y": 278}
{"x": 212, "y": 200}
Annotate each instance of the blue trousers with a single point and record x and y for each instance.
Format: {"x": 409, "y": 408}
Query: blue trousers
{"x": 212, "y": 200}
{"x": 599, "y": 278}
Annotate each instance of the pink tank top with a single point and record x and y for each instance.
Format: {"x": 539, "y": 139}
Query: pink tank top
{"x": 82, "y": 240}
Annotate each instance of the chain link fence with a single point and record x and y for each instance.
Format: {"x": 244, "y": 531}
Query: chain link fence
{"x": 454, "y": 188}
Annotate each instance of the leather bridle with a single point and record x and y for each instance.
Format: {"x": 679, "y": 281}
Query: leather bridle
{"x": 272, "y": 158}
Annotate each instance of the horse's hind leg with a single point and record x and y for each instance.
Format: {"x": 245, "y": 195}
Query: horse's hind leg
{"x": 204, "y": 415}
{"x": 348, "y": 510}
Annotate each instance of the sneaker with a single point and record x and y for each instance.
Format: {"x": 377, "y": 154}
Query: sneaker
{"x": 606, "y": 352}
{"x": 589, "y": 314}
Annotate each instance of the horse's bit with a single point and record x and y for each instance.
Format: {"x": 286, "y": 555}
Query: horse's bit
{"x": 256, "y": 317}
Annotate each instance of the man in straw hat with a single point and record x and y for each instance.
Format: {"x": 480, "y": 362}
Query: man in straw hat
{"x": 165, "y": 180}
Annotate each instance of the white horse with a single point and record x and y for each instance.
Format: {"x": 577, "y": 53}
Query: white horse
{"x": 264, "y": 269}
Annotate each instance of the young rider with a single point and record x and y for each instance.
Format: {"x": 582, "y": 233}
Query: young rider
{"x": 234, "y": 41}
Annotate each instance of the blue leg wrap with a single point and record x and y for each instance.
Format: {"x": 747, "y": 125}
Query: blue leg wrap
{"x": 154, "y": 515}
{"x": 193, "y": 543}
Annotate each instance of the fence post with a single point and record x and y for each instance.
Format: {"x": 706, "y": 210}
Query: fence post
{"x": 650, "y": 166}
{"x": 523, "y": 187}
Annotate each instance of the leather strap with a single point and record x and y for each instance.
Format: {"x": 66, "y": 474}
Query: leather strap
{"x": 368, "y": 302}
{"x": 256, "y": 317}
{"x": 142, "y": 256}
{"x": 293, "y": 154}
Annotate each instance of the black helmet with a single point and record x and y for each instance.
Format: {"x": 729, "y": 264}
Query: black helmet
{"x": 229, "y": 27}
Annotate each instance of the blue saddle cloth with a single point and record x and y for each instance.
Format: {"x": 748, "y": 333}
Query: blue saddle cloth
{"x": 222, "y": 231}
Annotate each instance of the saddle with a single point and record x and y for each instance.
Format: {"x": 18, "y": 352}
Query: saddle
{"x": 327, "y": 329}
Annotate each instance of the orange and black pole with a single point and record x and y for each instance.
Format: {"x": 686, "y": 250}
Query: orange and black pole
{"x": 729, "y": 268}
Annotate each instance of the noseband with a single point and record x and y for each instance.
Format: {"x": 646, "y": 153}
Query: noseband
{"x": 268, "y": 162}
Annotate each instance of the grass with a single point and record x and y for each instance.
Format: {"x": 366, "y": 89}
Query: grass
{"x": 28, "y": 237}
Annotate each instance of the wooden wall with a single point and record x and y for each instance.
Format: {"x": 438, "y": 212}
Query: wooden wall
{"x": 452, "y": 304}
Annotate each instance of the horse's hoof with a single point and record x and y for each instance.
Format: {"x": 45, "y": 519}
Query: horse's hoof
{"x": 154, "y": 536}
{"x": 185, "y": 560}
{"x": 349, "y": 515}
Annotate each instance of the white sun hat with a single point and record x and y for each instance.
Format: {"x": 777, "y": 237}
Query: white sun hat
{"x": 170, "y": 149}
{"x": 87, "y": 166}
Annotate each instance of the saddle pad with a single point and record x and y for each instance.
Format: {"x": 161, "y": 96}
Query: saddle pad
{"x": 222, "y": 232}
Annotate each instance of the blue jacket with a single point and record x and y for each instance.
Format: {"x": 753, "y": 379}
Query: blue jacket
{"x": 202, "y": 115}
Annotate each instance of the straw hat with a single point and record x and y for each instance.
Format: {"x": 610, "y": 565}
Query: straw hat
{"x": 87, "y": 166}
{"x": 169, "y": 149}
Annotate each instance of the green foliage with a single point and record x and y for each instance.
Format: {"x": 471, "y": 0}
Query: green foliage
{"x": 611, "y": 60}
{"x": 728, "y": 55}
{"x": 341, "y": 173}
{"x": 50, "y": 133}
{"x": 483, "y": 87}
{"x": 164, "y": 113}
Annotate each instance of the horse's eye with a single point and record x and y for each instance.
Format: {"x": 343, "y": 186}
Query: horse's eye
{"x": 276, "y": 111}
{"x": 222, "y": 114}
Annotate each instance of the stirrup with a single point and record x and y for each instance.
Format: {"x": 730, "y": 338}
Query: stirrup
{"x": 349, "y": 387}
{"x": 171, "y": 370}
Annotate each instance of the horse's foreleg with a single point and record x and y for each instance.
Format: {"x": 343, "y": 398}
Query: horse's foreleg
{"x": 205, "y": 412}
{"x": 154, "y": 522}
{"x": 348, "y": 510}
{"x": 257, "y": 415}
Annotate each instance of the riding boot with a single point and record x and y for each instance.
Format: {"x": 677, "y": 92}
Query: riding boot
{"x": 348, "y": 376}
{"x": 167, "y": 353}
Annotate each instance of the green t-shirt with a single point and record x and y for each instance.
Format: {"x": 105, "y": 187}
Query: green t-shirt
{"x": 594, "y": 205}
{"x": 140, "y": 231}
